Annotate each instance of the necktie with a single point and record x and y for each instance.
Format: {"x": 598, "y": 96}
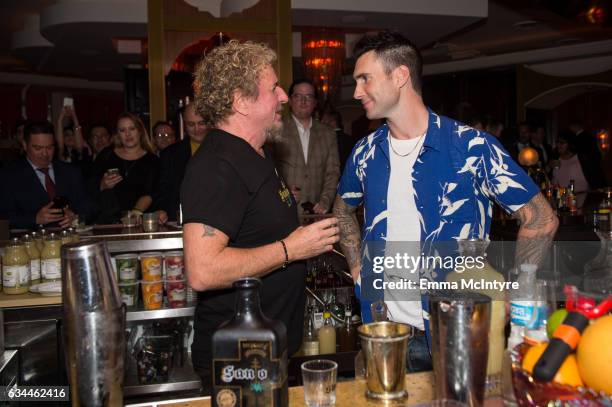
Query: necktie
{"x": 49, "y": 185}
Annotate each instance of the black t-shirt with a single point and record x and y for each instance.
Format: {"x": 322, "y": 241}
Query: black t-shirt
{"x": 230, "y": 187}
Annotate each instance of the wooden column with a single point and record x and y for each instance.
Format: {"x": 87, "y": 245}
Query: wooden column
{"x": 157, "y": 88}
{"x": 284, "y": 42}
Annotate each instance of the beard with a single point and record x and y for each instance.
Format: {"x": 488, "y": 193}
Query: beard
{"x": 274, "y": 132}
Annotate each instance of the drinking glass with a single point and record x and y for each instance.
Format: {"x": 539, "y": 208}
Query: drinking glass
{"x": 319, "y": 377}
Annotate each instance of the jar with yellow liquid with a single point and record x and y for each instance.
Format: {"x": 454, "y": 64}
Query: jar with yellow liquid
{"x": 50, "y": 259}
{"x": 38, "y": 239}
{"x": 15, "y": 268}
{"x": 476, "y": 278}
{"x": 34, "y": 255}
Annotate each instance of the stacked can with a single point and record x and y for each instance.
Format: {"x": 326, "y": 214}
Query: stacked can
{"x": 152, "y": 282}
{"x": 127, "y": 278}
{"x": 175, "y": 279}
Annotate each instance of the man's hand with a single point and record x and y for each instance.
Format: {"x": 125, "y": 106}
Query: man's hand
{"x": 48, "y": 215}
{"x": 69, "y": 216}
{"x": 319, "y": 209}
{"x": 162, "y": 217}
{"x": 309, "y": 241}
{"x": 109, "y": 180}
{"x": 295, "y": 191}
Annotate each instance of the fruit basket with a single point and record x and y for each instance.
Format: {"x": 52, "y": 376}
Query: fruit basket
{"x": 532, "y": 392}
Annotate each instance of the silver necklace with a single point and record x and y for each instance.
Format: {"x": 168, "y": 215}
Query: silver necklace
{"x": 408, "y": 153}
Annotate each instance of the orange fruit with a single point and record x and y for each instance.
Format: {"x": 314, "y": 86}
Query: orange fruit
{"x": 568, "y": 372}
{"x": 595, "y": 355}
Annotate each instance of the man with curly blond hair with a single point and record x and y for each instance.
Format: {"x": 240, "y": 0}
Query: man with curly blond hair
{"x": 240, "y": 218}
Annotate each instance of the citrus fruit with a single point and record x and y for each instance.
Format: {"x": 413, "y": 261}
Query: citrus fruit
{"x": 595, "y": 355}
{"x": 568, "y": 372}
{"x": 554, "y": 320}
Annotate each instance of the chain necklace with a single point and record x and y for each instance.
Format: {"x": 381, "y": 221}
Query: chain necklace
{"x": 408, "y": 153}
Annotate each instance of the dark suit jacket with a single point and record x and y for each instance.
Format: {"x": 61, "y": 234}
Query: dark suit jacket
{"x": 174, "y": 160}
{"x": 23, "y": 195}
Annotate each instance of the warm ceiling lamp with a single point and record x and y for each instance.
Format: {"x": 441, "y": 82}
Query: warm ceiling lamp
{"x": 604, "y": 139}
{"x": 323, "y": 53}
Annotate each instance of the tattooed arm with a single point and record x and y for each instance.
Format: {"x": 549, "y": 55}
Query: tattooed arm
{"x": 538, "y": 227}
{"x": 211, "y": 264}
{"x": 350, "y": 238}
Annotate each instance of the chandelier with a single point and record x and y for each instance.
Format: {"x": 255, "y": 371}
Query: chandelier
{"x": 323, "y": 54}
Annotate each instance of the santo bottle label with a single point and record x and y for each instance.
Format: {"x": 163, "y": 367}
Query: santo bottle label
{"x": 254, "y": 379}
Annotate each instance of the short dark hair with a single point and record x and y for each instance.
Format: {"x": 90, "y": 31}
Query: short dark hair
{"x": 300, "y": 81}
{"x": 162, "y": 123}
{"x": 393, "y": 49}
{"x": 37, "y": 127}
{"x": 100, "y": 124}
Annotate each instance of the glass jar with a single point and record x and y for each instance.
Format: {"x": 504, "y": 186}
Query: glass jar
{"x": 50, "y": 259}
{"x": 15, "y": 268}
{"x": 480, "y": 270}
{"x": 37, "y": 237}
{"x": 598, "y": 272}
{"x": 34, "y": 253}
{"x": 65, "y": 236}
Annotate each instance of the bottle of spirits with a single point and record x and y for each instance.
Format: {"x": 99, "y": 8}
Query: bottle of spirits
{"x": 347, "y": 334}
{"x": 327, "y": 335}
{"x": 249, "y": 354}
{"x": 310, "y": 344}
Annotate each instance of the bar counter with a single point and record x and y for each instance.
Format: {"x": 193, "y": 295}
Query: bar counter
{"x": 348, "y": 394}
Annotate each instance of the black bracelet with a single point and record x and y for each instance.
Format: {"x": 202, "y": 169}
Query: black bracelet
{"x": 286, "y": 262}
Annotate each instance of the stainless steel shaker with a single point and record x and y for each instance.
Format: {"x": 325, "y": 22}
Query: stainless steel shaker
{"x": 459, "y": 323}
{"x": 94, "y": 325}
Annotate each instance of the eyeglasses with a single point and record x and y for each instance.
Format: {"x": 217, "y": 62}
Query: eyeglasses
{"x": 164, "y": 135}
{"x": 303, "y": 98}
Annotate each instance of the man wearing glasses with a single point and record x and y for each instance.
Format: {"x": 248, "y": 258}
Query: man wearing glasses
{"x": 307, "y": 154}
{"x": 164, "y": 135}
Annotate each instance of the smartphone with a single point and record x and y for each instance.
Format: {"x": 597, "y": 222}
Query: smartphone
{"x": 68, "y": 102}
{"x": 60, "y": 202}
{"x": 113, "y": 171}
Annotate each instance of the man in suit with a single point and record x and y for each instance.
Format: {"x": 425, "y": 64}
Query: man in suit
{"x": 174, "y": 161}
{"x": 307, "y": 153}
{"x": 30, "y": 185}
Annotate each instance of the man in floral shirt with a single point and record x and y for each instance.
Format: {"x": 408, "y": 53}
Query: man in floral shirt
{"x": 423, "y": 179}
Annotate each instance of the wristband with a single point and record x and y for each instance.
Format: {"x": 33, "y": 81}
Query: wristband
{"x": 286, "y": 262}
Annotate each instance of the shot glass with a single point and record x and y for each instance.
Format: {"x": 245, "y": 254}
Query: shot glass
{"x": 150, "y": 222}
{"x": 319, "y": 377}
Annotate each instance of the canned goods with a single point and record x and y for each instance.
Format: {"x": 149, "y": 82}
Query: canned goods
{"x": 177, "y": 293}
{"x": 152, "y": 294}
{"x": 127, "y": 267}
{"x": 174, "y": 265}
{"x": 151, "y": 266}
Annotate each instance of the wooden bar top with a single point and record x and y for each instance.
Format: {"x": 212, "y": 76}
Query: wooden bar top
{"x": 27, "y": 300}
{"x": 348, "y": 394}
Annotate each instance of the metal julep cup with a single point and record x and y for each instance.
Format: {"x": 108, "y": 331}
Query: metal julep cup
{"x": 459, "y": 323}
{"x": 94, "y": 325}
{"x": 384, "y": 347}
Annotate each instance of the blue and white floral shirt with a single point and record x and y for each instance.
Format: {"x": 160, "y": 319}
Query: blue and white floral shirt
{"x": 457, "y": 175}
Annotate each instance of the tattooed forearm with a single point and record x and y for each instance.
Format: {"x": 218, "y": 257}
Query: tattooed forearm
{"x": 208, "y": 231}
{"x": 350, "y": 238}
{"x": 538, "y": 227}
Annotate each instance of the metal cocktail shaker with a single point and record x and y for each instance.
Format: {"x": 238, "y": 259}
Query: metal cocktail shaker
{"x": 94, "y": 325}
{"x": 459, "y": 324}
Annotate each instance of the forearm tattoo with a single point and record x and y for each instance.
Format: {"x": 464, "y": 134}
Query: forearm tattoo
{"x": 208, "y": 231}
{"x": 350, "y": 237}
{"x": 537, "y": 230}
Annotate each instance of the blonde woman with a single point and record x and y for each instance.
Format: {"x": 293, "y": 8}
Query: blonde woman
{"x": 125, "y": 176}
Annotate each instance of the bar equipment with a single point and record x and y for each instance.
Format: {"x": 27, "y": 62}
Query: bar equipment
{"x": 459, "y": 323}
{"x": 94, "y": 324}
{"x": 384, "y": 345}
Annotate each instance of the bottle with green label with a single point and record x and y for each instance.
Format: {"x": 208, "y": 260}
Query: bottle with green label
{"x": 15, "y": 268}
{"x": 249, "y": 355}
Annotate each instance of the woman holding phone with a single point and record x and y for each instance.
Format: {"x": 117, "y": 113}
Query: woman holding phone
{"x": 125, "y": 176}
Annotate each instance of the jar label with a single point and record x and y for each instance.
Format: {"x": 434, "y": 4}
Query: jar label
{"x": 127, "y": 273}
{"x": 174, "y": 271}
{"x": 35, "y": 269}
{"x": 128, "y": 299}
{"x": 13, "y": 276}
{"x": 51, "y": 269}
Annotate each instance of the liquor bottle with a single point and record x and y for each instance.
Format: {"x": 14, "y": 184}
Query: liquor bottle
{"x": 347, "y": 334}
{"x": 327, "y": 335}
{"x": 571, "y": 198}
{"x": 310, "y": 344}
{"x": 249, "y": 354}
{"x": 336, "y": 308}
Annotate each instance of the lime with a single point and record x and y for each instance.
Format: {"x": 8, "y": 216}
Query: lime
{"x": 554, "y": 320}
